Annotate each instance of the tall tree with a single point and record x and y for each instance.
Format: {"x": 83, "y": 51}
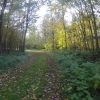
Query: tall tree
{"x": 1, "y": 20}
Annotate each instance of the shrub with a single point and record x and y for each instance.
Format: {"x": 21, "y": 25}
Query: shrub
{"x": 79, "y": 77}
{"x": 8, "y": 62}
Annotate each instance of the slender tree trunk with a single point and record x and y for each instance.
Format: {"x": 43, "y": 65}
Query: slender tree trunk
{"x": 89, "y": 25}
{"x": 64, "y": 27}
{"x": 25, "y": 33}
{"x": 53, "y": 43}
{"x": 84, "y": 29}
{"x": 1, "y": 20}
{"x": 27, "y": 22}
{"x": 95, "y": 27}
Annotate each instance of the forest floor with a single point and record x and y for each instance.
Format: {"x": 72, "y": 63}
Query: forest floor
{"x": 36, "y": 79}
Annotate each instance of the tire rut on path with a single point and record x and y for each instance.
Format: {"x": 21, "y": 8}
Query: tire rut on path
{"x": 51, "y": 89}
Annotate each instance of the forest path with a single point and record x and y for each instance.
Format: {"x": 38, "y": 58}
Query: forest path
{"x": 36, "y": 79}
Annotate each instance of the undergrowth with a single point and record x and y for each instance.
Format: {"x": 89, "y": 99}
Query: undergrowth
{"x": 80, "y": 75}
{"x": 8, "y": 62}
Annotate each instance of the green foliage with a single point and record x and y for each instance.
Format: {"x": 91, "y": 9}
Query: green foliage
{"x": 7, "y": 62}
{"x": 48, "y": 46}
{"x": 78, "y": 76}
{"x": 34, "y": 41}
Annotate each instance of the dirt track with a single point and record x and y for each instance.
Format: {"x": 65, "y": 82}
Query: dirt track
{"x": 51, "y": 88}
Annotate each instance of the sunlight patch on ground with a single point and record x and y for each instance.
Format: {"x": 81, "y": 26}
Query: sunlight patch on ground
{"x": 35, "y": 50}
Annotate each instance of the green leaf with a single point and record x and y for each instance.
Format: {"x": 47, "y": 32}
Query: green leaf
{"x": 96, "y": 84}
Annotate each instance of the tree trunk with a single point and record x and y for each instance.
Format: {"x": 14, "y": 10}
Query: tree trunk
{"x": 95, "y": 27}
{"x": 64, "y": 27}
{"x": 1, "y": 20}
{"x": 90, "y": 26}
{"x": 84, "y": 29}
{"x": 27, "y": 22}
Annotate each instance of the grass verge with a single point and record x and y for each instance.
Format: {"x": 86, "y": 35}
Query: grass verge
{"x": 8, "y": 62}
{"x": 28, "y": 85}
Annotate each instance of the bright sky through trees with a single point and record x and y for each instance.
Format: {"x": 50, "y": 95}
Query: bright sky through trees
{"x": 41, "y": 13}
{"x": 43, "y": 10}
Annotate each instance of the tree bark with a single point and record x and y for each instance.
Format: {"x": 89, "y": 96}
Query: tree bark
{"x": 27, "y": 23}
{"x": 95, "y": 27}
{"x": 64, "y": 27}
{"x": 1, "y": 20}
